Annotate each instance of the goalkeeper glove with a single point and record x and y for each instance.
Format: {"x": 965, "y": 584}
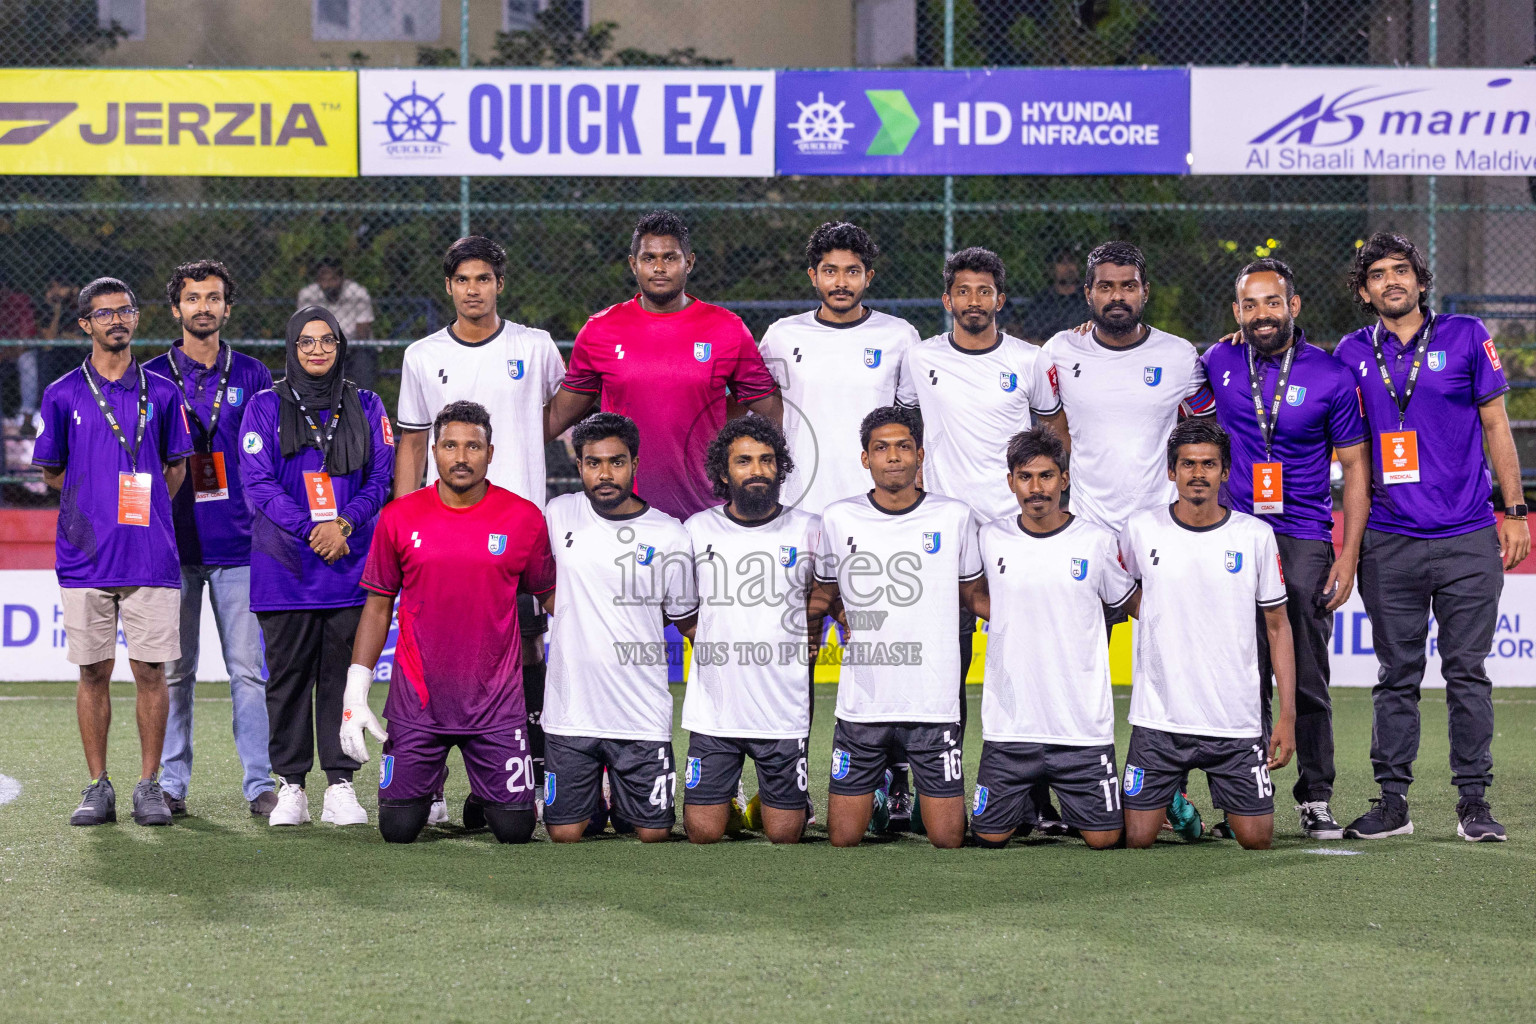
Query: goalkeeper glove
{"x": 356, "y": 715}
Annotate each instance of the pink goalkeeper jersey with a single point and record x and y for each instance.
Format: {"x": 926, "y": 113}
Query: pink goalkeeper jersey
{"x": 458, "y": 571}
{"x": 670, "y": 373}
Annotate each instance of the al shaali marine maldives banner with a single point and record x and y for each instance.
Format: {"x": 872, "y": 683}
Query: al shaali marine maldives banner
{"x": 1458, "y": 121}
{"x": 677, "y": 122}
{"x": 998, "y": 121}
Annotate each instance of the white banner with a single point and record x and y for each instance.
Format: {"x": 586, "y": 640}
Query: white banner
{"x": 1460, "y": 121}
{"x": 672, "y": 122}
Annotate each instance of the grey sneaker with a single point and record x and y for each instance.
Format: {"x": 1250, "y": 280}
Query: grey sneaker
{"x": 98, "y": 804}
{"x": 149, "y": 804}
{"x": 1476, "y": 824}
{"x": 1317, "y": 821}
{"x": 262, "y": 806}
{"x": 177, "y": 804}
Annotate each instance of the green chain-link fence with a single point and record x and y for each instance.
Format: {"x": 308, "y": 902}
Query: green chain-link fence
{"x": 567, "y": 236}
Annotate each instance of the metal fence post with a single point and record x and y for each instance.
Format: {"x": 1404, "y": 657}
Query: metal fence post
{"x": 463, "y": 63}
{"x": 949, "y": 179}
{"x": 1431, "y": 198}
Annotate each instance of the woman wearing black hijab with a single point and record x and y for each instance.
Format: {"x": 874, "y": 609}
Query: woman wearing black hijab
{"x": 317, "y": 459}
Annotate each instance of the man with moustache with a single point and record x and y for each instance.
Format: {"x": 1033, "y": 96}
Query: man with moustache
{"x": 667, "y": 361}
{"x": 1287, "y": 405}
{"x": 753, "y": 560}
{"x": 213, "y": 531}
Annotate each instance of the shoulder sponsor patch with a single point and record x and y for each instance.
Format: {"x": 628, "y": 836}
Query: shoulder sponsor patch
{"x": 1493, "y": 354}
{"x": 389, "y": 431}
{"x": 251, "y": 443}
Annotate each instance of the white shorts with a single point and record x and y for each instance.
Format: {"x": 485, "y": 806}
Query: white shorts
{"x": 151, "y": 618}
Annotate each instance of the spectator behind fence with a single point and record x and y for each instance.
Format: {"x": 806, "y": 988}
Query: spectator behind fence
{"x": 352, "y": 306}
{"x": 16, "y": 321}
{"x": 1060, "y": 305}
{"x": 57, "y": 324}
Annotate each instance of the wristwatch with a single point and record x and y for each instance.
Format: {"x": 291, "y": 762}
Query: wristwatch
{"x": 346, "y": 527}
{"x": 1514, "y": 512}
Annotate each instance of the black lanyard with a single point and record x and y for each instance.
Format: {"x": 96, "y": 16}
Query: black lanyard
{"x": 1402, "y": 400}
{"x": 206, "y": 432}
{"x": 106, "y": 410}
{"x": 324, "y": 444}
{"x": 1268, "y": 423}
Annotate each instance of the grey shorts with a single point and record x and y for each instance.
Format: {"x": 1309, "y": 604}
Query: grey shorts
{"x": 641, "y": 780}
{"x": 1237, "y": 770}
{"x": 861, "y": 751}
{"x": 151, "y": 618}
{"x": 715, "y": 763}
{"x": 1084, "y": 779}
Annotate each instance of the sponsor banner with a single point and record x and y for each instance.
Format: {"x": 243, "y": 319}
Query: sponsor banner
{"x": 246, "y": 123}
{"x": 677, "y": 122}
{"x": 1472, "y": 121}
{"x": 1005, "y": 121}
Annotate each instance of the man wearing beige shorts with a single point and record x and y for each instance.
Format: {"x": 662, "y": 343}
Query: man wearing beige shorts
{"x": 114, "y": 441}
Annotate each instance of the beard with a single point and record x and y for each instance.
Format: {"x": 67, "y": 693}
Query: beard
{"x": 1395, "y": 308}
{"x": 841, "y": 300}
{"x": 1121, "y": 325}
{"x": 755, "y": 497}
{"x": 974, "y": 322}
{"x": 611, "y": 501}
{"x": 200, "y": 332}
{"x": 448, "y": 481}
{"x": 116, "y": 341}
{"x": 1285, "y": 330}
{"x": 666, "y": 297}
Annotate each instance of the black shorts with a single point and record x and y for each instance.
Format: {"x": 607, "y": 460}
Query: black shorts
{"x": 1237, "y": 770}
{"x": 641, "y": 779}
{"x": 715, "y": 763}
{"x": 1084, "y": 779}
{"x": 531, "y": 618}
{"x": 862, "y": 750}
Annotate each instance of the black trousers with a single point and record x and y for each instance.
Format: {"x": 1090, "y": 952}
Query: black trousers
{"x": 1403, "y": 580}
{"x": 308, "y": 653}
{"x": 1306, "y": 564}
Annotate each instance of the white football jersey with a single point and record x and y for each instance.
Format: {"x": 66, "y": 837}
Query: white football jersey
{"x": 753, "y": 580}
{"x": 831, "y": 377}
{"x": 1121, "y": 406}
{"x": 899, "y": 575}
{"x": 1196, "y": 663}
{"x": 617, "y": 576}
{"x": 972, "y": 404}
{"x": 513, "y": 373}
{"x": 1047, "y": 675}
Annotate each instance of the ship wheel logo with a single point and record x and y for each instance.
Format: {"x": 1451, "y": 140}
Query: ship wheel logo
{"x": 821, "y": 126}
{"x": 414, "y": 117}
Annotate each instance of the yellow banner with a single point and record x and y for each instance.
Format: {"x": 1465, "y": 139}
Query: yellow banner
{"x": 206, "y": 123}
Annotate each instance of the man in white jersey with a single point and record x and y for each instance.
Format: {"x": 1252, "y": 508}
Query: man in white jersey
{"x": 512, "y": 371}
{"x": 900, "y": 560}
{"x": 1195, "y": 699}
{"x": 746, "y": 696}
{"x": 1047, "y": 714}
{"x": 1122, "y": 385}
{"x": 625, "y": 571}
{"x": 833, "y": 365}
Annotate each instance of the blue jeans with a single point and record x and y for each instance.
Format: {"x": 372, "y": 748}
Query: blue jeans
{"x": 244, "y": 656}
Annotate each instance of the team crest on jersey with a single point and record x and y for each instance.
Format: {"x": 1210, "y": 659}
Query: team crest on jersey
{"x": 1436, "y": 361}
{"x": 840, "y": 763}
{"x": 1295, "y": 394}
{"x": 1079, "y": 569}
{"x": 386, "y": 771}
{"x": 931, "y": 543}
{"x": 496, "y": 543}
{"x": 872, "y": 357}
{"x": 1234, "y": 561}
{"x": 1008, "y": 381}
{"x": 1151, "y": 376}
{"x": 149, "y": 411}
{"x": 515, "y": 369}
{"x": 979, "y": 803}
{"x": 549, "y": 788}
{"x": 644, "y": 553}
{"x": 1134, "y": 777}
{"x": 701, "y": 351}
{"x": 788, "y": 555}
{"x": 251, "y": 442}
{"x": 691, "y": 779}
{"x": 234, "y": 395}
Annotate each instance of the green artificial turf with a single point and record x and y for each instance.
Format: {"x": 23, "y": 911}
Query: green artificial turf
{"x": 222, "y": 918}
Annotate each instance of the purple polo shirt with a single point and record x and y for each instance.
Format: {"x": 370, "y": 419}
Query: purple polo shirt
{"x": 285, "y": 574}
{"x": 1454, "y": 493}
{"x": 1320, "y": 412}
{"x": 216, "y": 532}
{"x": 93, "y": 549}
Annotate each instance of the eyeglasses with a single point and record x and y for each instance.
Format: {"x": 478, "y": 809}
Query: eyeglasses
{"x": 327, "y": 343}
{"x": 106, "y": 316}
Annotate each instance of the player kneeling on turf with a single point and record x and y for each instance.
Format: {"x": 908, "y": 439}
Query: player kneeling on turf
{"x": 748, "y": 685}
{"x": 457, "y": 554}
{"x": 1047, "y": 714}
{"x": 1195, "y": 698}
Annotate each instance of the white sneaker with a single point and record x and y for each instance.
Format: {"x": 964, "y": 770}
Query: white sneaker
{"x": 292, "y": 806}
{"x": 538, "y": 809}
{"x": 341, "y": 806}
{"x": 438, "y": 815}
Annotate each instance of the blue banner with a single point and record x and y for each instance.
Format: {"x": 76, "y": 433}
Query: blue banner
{"x": 1007, "y": 121}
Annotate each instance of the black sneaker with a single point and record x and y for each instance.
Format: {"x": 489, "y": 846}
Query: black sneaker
{"x": 265, "y": 801}
{"x": 474, "y": 814}
{"x": 1048, "y": 820}
{"x": 1317, "y": 820}
{"x": 98, "y": 804}
{"x": 1477, "y": 824}
{"x": 1388, "y": 816}
{"x": 177, "y": 804}
{"x": 149, "y": 804}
